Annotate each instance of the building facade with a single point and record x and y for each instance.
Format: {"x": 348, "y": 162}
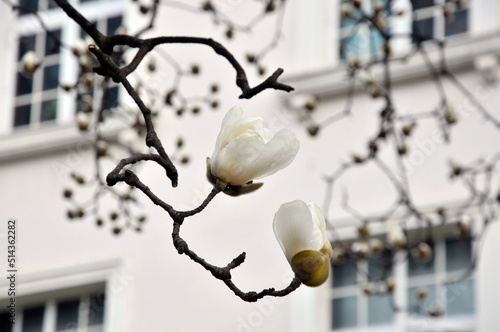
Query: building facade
{"x": 78, "y": 274}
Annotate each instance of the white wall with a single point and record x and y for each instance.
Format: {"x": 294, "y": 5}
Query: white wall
{"x": 167, "y": 291}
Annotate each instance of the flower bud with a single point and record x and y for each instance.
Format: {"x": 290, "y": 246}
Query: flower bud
{"x": 360, "y": 250}
{"x": 376, "y": 246}
{"x": 338, "y": 255}
{"x": 396, "y": 237}
{"x": 422, "y": 252}
{"x": 83, "y": 121}
{"x": 422, "y": 293}
{"x": 30, "y": 63}
{"x": 311, "y": 267}
{"x": 300, "y": 230}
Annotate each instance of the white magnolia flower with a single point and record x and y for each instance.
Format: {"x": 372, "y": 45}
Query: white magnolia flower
{"x": 247, "y": 150}
{"x": 301, "y": 232}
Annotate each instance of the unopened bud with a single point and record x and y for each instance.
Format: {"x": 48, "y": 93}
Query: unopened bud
{"x": 311, "y": 267}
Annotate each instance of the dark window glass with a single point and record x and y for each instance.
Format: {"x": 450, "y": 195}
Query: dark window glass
{"x": 28, "y": 6}
{"x": 50, "y": 77}
{"x": 380, "y": 310}
{"x": 24, "y": 85}
{"x": 52, "y": 40}
{"x": 379, "y": 267}
{"x": 67, "y": 315}
{"x": 52, "y": 4}
{"x": 96, "y": 309}
{"x": 418, "y": 268}
{"x": 423, "y": 29}
{"x": 110, "y": 100}
{"x": 113, "y": 24}
{"x": 33, "y": 319}
{"x": 22, "y": 115}
{"x": 345, "y": 312}
{"x": 5, "y": 324}
{"x": 344, "y": 275}
{"x": 458, "y": 255}
{"x": 26, "y": 43}
{"x": 460, "y": 298}
{"x": 458, "y": 25}
{"x": 418, "y": 4}
{"x": 49, "y": 110}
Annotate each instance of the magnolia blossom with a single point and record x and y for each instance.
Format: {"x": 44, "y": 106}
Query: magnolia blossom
{"x": 301, "y": 232}
{"x": 247, "y": 150}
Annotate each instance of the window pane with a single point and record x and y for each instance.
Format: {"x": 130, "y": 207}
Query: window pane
{"x": 22, "y": 115}
{"x": 344, "y": 312}
{"x": 380, "y": 310}
{"x": 96, "y": 309}
{"x": 51, "y": 45}
{"x": 49, "y": 110}
{"x": 430, "y": 300}
{"x": 418, "y": 268}
{"x": 423, "y": 29}
{"x": 30, "y": 5}
{"x": 52, "y": 4}
{"x": 110, "y": 98}
{"x": 24, "y": 85}
{"x": 460, "y": 298}
{"x": 458, "y": 255}
{"x": 50, "y": 77}
{"x": 458, "y": 25}
{"x": 5, "y": 324}
{"x": 379, "y": 268}
{"x": 26, "y": 43}
{"x": 33, "y": 319}
{"x": 417, "y": 4}
{"x": 113, "y": 24}
{"x": 344, "y": 274}
{"x": 376, "y": 40}
{"x": 67, "y": 315}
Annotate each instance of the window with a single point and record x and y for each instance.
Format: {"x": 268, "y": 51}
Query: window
{"x": 358, "y": 36}
{"x": 82, "y": 312}
{"x": 360, "y": 304}
{"x": 451, "y": 261}
{"x": 350, "y": 307}
{"x": 36, "y": 95}
{"x": 39, "y": 98}
{"x": 438, "y": 19}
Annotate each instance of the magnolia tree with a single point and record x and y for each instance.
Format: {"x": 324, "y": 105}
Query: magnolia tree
{"x": 246, "y": 150}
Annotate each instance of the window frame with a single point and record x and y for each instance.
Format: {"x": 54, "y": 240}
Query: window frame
{"x": 404, "y": 320}
{"x": 49, "y": 286}
{"x": 53, "y": 19}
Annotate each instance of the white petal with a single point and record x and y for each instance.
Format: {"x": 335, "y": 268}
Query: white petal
{"x": 233, "y": 115}
{"x": 295, "y": 230}
{"x": 319, "y": 220}
{"x": 234, "y": 161}
{"x": 278, "y": 153}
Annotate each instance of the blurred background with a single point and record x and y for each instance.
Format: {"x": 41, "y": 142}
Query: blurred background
{"x": 396, "y": 108}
